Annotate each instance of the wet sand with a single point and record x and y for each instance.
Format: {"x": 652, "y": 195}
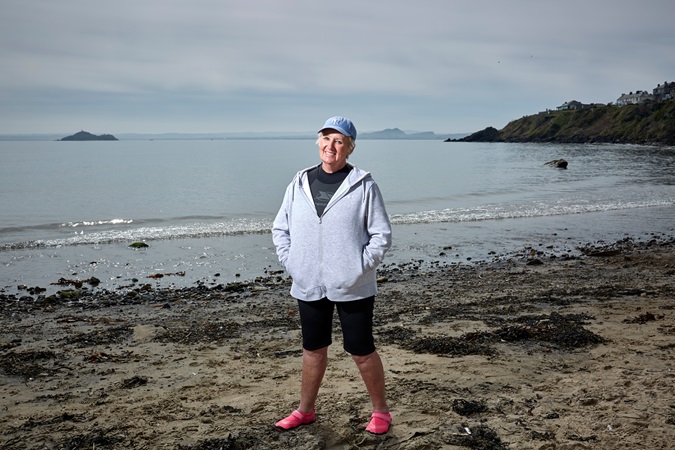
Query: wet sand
{"x": 534, "y": 352}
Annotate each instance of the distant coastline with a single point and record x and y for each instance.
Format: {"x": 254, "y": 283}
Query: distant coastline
{"x": 387, "y": 134}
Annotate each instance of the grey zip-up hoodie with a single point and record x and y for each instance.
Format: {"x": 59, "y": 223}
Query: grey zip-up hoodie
{"x": 335, "y": 255}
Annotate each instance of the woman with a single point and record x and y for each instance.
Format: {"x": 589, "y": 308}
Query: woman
{"x": 331, "y": 233}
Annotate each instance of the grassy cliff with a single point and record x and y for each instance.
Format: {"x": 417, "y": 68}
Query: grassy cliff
{"x": 649, "y": 123}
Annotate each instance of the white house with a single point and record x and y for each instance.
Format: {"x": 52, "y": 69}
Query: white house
{"x": 634, "y": 98}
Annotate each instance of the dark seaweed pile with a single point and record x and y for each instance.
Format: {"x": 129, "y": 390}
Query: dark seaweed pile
{"x": 481, "y": 438}
{"x": 559, "y": 331}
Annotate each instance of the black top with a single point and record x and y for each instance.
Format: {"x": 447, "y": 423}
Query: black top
{"x": 324, "y": 185}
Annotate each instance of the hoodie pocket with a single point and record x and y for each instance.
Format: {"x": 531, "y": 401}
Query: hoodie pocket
{"x": 304, "y": 274}
{"x": 347, "y": 272}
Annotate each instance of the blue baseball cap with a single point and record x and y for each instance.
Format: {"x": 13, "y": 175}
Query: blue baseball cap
{"x": 341, "y": 124}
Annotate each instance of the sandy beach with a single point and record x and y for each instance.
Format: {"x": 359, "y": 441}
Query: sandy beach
{"x": 533, "y": 352}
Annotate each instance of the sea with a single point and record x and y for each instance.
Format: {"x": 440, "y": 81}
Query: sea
{"x": 205, "y": 207}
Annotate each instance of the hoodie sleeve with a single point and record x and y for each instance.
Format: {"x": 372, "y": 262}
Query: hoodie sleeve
{"x": 378, "y": 226}
{"x": 281, "y": 234}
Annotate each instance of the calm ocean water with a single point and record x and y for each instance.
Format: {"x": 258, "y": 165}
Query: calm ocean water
{"x": 71, "y": 209}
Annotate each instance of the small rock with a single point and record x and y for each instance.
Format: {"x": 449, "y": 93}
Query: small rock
{"x": 534, "y": 262}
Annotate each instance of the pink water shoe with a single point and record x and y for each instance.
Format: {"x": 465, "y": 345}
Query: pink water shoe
{"x": 379, "y": 423}
{"x": 295, "y": 420}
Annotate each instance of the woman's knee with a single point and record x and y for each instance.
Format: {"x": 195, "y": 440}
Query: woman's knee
{"x": 318, "y": 354}
{"x": 364, "y": 359}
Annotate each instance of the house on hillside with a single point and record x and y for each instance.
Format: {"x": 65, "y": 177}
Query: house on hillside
{"x": 634, "y": 98}
{"x": 664, "y": 92}
{"x": 574, "y": 105}
{"x": 570, "y": 106}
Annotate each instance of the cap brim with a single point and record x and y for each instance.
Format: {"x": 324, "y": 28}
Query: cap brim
{"x": 340, "y": 130}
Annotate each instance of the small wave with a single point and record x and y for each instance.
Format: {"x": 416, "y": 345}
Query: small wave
{"x": 519, "y": 211}
{"x": 243, "y": 226}
{"x": 85, "y": 223}
{"x": 198, "y": 230}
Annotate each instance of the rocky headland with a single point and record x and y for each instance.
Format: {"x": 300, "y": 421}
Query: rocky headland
{"x": 650, "y": 123}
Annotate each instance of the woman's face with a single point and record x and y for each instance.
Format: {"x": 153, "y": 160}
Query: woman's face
{"x": 334, "y": 148}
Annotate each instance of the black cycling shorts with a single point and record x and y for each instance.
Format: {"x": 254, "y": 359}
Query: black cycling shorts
{"x": 356, "y": 319}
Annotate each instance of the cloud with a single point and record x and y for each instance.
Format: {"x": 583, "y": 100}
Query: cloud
{"x": 450, "y": 66}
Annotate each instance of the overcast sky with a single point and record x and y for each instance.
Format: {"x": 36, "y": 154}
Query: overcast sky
{"x": 201, "y": 66}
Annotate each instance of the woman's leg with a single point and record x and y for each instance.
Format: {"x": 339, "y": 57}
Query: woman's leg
{"x": 316, "y": 319}
{"x": 314, "y": 364}
{"x": 356, "y": 318}
{"x": 372, "y": 372}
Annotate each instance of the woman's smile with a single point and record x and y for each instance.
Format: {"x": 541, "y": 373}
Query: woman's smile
{"x": 333, "y": 151}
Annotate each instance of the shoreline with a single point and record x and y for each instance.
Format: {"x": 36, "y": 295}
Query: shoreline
{"x": 533, "y": 351}
{"x": 184, "y": 263}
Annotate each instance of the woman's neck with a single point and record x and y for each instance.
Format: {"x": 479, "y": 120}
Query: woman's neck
{"x": 329, "y": 168}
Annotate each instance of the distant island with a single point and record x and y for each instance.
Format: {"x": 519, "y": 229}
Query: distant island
{"x": 396, "y": 133}
{"x": 84, "y": 136}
